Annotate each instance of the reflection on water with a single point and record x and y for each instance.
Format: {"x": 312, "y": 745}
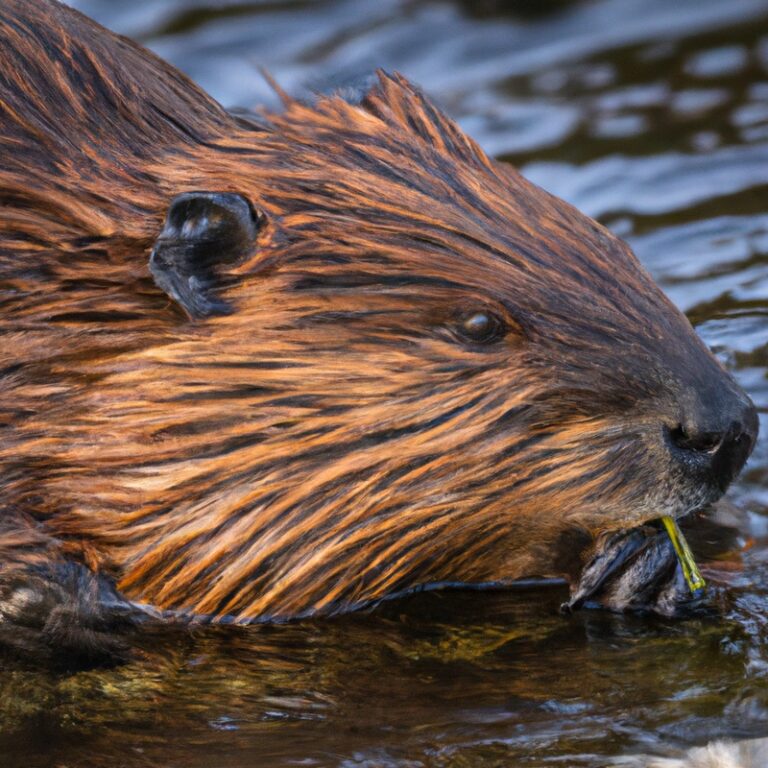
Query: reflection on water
{"x": 651, "y": 115}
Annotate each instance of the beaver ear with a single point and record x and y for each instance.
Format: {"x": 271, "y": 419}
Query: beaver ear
{"x": 202, "y": 230}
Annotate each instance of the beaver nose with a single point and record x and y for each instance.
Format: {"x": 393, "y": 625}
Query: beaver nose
{"x": 716, "y": 442}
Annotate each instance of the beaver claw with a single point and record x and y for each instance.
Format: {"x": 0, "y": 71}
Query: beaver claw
{"x": 634, "y": 570}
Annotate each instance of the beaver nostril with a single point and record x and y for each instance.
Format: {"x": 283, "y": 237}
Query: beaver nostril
{"x": 715, "y": 450}
{"x": 699, "y": 442}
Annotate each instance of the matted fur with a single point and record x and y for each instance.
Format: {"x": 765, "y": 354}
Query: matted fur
{"x": 332, "y": 441}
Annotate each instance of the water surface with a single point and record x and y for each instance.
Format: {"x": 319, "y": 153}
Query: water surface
{"x": 651, "y": 115}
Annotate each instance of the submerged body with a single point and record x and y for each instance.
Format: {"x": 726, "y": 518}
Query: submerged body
{"x": 261, "y": 369}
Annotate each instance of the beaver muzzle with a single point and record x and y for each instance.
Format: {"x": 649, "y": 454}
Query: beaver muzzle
{"x": 711, "y": 443}
{"x": 650, "y": 568}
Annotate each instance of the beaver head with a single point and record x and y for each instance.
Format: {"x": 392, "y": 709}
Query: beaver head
{"x": 387, "y": 360}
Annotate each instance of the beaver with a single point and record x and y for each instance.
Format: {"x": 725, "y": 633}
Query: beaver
{"x": 271, "y": 366}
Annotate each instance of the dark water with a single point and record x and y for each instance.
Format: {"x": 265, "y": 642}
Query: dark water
{"x": 649, "y": 114}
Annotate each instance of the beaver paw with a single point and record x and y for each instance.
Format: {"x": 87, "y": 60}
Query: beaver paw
{"x": 635, "y": 570}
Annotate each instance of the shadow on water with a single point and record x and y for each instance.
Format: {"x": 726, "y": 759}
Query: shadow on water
{"x": 651, "y": 115}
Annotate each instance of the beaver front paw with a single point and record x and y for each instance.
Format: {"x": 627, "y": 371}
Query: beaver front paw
{"x": 635, "y": 570}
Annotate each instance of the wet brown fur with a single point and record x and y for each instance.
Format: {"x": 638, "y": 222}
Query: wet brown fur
{"x": 331, "y": 441}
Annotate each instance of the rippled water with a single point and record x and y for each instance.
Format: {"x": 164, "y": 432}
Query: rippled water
{"x": 651, "y": 115}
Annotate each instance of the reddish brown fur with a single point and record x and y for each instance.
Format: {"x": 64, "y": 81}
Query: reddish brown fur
{"x": 331, "y": 442}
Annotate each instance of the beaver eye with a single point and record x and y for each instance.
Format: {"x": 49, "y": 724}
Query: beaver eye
{"x": 481, "y": 327}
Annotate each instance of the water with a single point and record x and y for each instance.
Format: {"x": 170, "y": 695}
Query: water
{"x": 649, "y": 114}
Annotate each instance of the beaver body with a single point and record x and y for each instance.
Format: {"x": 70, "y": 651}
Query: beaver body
{"x": 255, "y": 369}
